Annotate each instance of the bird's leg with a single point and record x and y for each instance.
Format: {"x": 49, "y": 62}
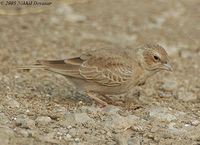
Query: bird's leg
{"x": 108, "y": 99}
{"x": 93, "y": 96}
{"x": 131, "y": 98}
{"x": 113, "y": 102}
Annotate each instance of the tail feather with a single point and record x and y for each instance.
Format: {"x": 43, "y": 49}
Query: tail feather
{"x": 34, "y": 66}
{"x": 57, "y": 64}
{"x": 67, "y": 67}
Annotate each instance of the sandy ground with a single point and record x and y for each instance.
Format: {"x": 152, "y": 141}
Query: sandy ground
{"x": 39, "y": 107}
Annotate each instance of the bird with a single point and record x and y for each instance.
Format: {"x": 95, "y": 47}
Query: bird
{"x": 110, "y": 71}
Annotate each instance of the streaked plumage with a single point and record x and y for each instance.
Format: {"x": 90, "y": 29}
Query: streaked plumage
{"x": 110, "y": 71}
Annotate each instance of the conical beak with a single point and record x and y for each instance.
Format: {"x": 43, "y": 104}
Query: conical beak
{"x": 167, "y": 67}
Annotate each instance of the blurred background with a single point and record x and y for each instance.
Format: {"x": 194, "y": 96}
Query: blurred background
{"x": 66, "y": 28}
{"x": 31, "y": 31}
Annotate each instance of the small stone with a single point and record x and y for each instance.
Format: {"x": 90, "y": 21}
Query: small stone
{"x": 110, "y": 109}
{"x": 24, "y": 122}
{"x": 187, "y": 125}
{"x": 22, "y": 132}
{"x": 90, "y": 109}
{"x": 59, "y": 133}
{"x": 43, "y": 120}
{"x": 82, "y": 118}
{"x": 68, "y": 120}
{"x": 77, "y": 140}
{"x": 68, "y": 136}
{"x": 161, "y": 114}
{"x": 109, "y": 134}
{"x": 195, "y": 122}
{"x": 27, "y": 111}
{"x": 120, "y": 122}
{"x": 165, "y": 94}
{"x": 12, "y": 103}
{"x": 69, "y": 127}
{"x": 186, "y": 96}
{"x": 3, "y": 119}
{"x": 73, "y": 132}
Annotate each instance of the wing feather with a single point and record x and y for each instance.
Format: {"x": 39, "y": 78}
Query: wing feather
{"x": 107, "y": 72}
{"x": 101, "y": 67}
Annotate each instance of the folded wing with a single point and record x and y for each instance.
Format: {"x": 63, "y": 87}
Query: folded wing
{"x": 105, "y": 70}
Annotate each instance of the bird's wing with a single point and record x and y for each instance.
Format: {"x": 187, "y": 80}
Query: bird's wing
{"x": 101, "y": 67}
{"x": 66, "y": 67}
{"x": 106, "y": 70}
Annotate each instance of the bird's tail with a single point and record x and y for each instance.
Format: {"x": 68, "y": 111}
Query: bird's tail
{"x": 37, "y": 65}
{"x": 67, "y": 67}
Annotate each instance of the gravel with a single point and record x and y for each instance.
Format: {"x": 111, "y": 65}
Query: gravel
{"x": 38, "y": 107}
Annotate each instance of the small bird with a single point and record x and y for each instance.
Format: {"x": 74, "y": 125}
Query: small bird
{"x": 110, "y": 71}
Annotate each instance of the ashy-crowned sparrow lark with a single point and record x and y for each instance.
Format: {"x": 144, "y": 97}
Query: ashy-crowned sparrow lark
{"x": 110, "y": 71}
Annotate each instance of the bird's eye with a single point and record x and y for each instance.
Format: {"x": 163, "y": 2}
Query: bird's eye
{"x": 156, "y": 58}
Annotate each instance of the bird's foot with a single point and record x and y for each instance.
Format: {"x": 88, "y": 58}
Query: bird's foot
{"x": 93, "y": 96}
{"x": 132, "y": 99}
{"x": 113, "y": 102}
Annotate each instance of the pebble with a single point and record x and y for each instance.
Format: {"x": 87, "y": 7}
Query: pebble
{"x": 69, "y": 127}
{"x": 161, "y": 114}
{"x": 120, "y": 122}
{"x": 43, "y": 120}
{"x": 82, "y": 118}
{"x": 186, "y": 96}
{"x": 110, "y": 109}
{"x": 3, "y": 119}
{"x": 24, "y": 122}
{"x": 109, "y": 134}
{"x": 77, "y": 140}
{"x": 68, "y": 136}
{"x": 68, "y": 120}
{"x": 73, "y": 132}
{"x": 195, "y": 122}
{"x": 12, "y": 103}
{"x": 91, "y": 109}
{"x": 165, "y": 94}
{"x": 22, "y": 132}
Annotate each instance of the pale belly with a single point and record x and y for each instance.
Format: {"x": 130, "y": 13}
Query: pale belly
{"x": 85, "y": 86}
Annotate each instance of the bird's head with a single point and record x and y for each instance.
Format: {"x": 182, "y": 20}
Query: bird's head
{"x": 153, "y": 57}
